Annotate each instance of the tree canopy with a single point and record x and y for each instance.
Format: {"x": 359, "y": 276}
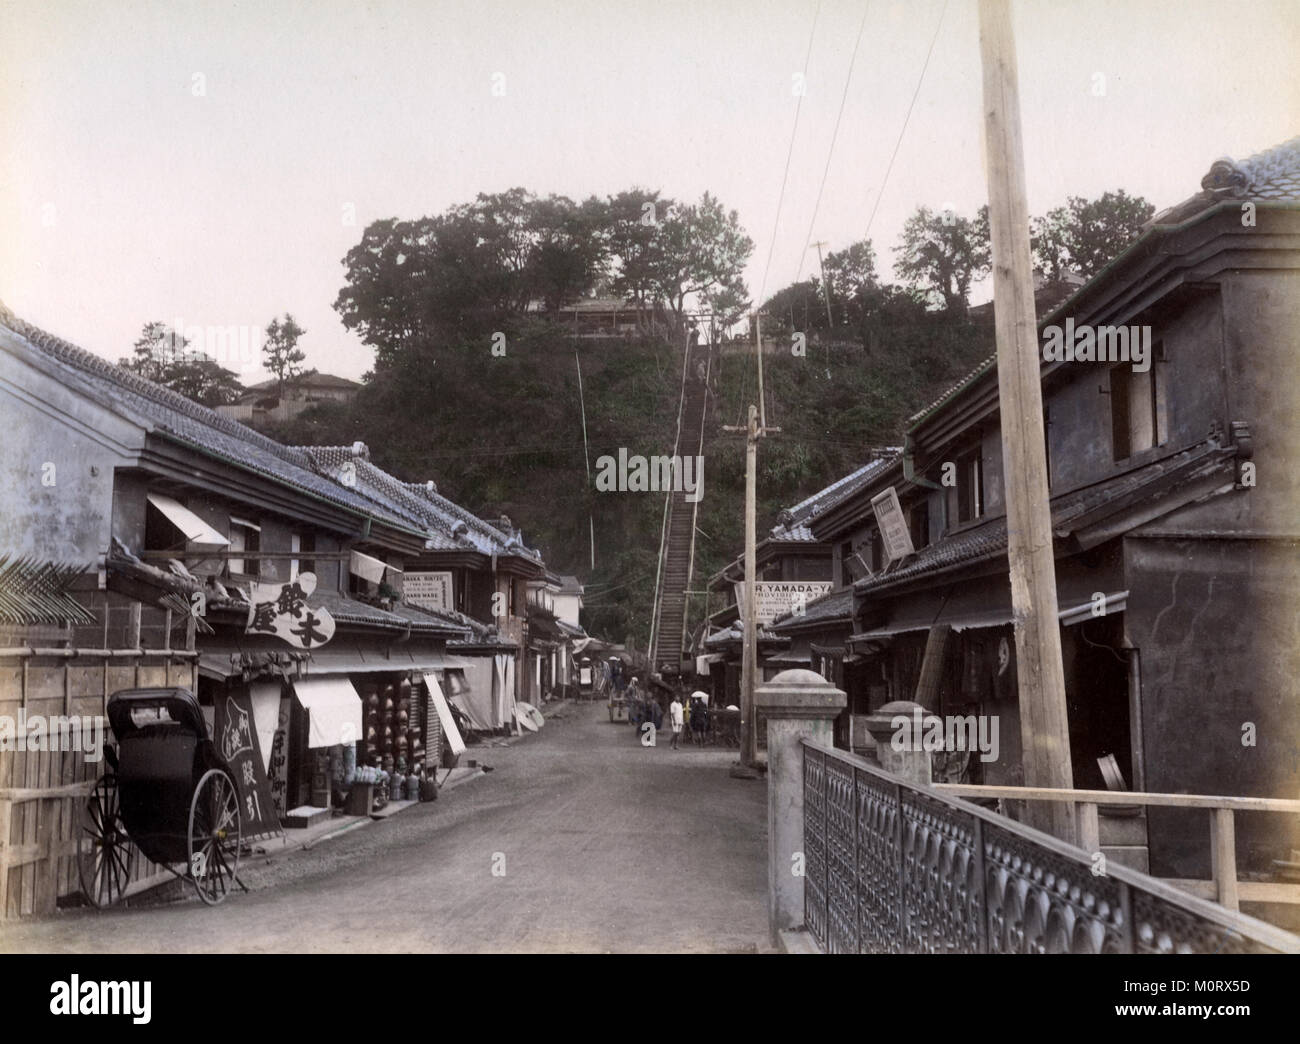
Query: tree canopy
{"x": 163, "y": 356}
{"x": 485, "y": 266}
{"x": 1086, "y": 234}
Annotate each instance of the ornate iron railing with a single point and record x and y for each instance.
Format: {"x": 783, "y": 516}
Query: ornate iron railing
{"x": 891, "y": 867}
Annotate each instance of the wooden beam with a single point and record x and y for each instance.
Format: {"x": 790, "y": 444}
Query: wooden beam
{"x": 1113, "y": 797}
{"x": 1223, "y": 857}
{"x": 1089, "y": 827}
{"x": 1044, "y": 725}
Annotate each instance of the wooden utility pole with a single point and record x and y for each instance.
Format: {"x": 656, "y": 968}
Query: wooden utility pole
{"x": 754, "y": 430}
{"x": 1044, "y": 726}
{"x": 826, "y": 287}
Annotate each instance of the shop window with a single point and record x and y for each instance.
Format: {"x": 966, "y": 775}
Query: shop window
{"x": 1138, "y": 413}
{"x": 919, "y": 524}
{"x": 970, "y": 486}
{"x": 244, "y": 536}
{"x": 846, "y": 573}
{"x": 877, "y": 551}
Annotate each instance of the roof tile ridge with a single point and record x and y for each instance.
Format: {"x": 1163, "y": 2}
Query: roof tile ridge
{"x": 84, "y": 359}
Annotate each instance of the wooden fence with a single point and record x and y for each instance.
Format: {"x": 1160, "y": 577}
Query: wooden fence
{"x": 42, "y": 792}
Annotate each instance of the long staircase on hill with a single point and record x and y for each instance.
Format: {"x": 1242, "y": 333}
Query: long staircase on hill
{"x": 677, "y": 547}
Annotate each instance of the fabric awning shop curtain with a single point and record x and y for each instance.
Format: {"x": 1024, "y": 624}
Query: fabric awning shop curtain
{"x": 454, "y": 739}
{"x": 333, "y": 710}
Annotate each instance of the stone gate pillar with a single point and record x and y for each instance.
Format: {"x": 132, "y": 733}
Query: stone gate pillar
{"x": 797, "y": 704}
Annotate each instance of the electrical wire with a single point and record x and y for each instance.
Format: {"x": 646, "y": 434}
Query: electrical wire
{"x": 894, "y": 155}
{"x": 835, "y": 133}
{"x": 776, "y": 222}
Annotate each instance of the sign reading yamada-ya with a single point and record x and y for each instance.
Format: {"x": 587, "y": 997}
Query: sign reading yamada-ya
{"x": 427, "y": 590}
{"x": 894, "y": 533}
{"x": 775, "y": 598}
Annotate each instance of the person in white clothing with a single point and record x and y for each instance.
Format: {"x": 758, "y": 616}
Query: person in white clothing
{"x": 676, "y": 720}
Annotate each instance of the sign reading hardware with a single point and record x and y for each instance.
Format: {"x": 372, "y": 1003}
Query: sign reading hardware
{"x": 427, "y": 590}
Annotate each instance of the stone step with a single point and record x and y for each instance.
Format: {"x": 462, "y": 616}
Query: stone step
{"x": 304, "y": 817}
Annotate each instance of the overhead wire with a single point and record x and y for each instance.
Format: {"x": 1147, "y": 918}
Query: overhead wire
{"x": 906, "y": 119}
{"x": 835, "y": 133}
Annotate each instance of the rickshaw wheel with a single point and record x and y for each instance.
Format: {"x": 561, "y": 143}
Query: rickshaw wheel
{"x": 105, "y": 856}
{"x": 214, "y": 836}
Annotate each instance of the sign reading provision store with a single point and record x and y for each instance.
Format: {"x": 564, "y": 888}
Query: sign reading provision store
{"x": 775, "y": 598}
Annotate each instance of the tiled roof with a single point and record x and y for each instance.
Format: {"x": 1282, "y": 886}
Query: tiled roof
{"x": 1273, "y": 174}
{"x": 185, "y": 421}
{"x": 350, "y": 611}
{"x": 951, "y": 392}
{"x": 834, "y": 605}
{"x": 736, "y": 633}
{"x": 990, "y": 538}
{"x": 794, "y": 526}
{"x": 314, "y": 380}
{"x": 451, "y": 527}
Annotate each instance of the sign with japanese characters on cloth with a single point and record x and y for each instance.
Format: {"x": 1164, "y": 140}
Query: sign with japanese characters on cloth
{"x": 427, "y": 590}
{"x": 282, "y": 610}
{"x": 775, "y": 598}
{"x": 238, "y": 742}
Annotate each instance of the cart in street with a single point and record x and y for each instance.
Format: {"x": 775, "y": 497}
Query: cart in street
{"x": 168, "y": 792}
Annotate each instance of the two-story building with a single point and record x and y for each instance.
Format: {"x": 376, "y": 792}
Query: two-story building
{"x": 1173, "y": 508}
{"x": 230, "y": 564}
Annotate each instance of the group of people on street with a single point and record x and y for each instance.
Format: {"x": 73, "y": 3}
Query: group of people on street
{"x": 683, "y": 714}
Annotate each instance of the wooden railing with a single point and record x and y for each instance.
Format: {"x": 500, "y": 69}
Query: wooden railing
{"x": 1224, "y": 887}
{"x": 895, "y": 867}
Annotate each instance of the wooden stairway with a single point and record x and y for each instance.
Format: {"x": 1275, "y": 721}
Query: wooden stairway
{"x": 676, "y": 556}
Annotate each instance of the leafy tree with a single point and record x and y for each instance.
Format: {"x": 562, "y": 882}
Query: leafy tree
{"x": 283, "y": 356}
{"x": 569, "y": 249}
{"x": 155, "y": 352}
{"x": 798, "y": 306}
{"x": 851, "y": 273}
{"x": 163, "y": 356}
{"x": 1085, "y": 235}
{"x": 635, "y": 245}
{"x": 941, "y": 254}
{"x": 702, "y": 251}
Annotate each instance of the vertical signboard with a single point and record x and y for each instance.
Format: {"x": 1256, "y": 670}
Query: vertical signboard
{"x": 893, "y": 525}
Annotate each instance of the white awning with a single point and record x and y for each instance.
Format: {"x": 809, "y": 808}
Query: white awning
{"x": 333, "y": 710}
{"x": 367, "y": 568}
{"x": 198, "y": 534}
{"x": 449, "y": 729}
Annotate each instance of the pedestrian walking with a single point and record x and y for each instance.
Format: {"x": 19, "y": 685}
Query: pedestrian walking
{"x": 676, "y": 720}
{"x": 699, "y": 716}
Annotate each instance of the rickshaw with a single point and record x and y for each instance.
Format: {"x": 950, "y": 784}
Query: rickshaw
{"x": 167, "y": 791}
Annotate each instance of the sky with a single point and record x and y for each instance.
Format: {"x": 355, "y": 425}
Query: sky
{"x": 209, "y": 165}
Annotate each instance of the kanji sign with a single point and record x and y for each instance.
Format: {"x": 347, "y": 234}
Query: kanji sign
{"x": 282, "y": 610}
{"x": 239, "y": 745}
